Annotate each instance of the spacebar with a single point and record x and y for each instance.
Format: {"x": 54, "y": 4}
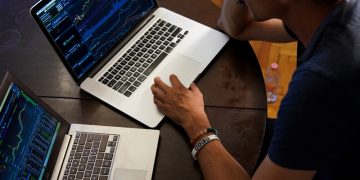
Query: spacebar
{"x": 155, "y": 63}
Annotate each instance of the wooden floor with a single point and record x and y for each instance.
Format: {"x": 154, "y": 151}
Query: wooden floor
{"x": 284, "y": 55}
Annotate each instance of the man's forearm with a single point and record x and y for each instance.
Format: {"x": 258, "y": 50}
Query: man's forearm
{"x": 234, "y": 17}
{"x": 216, "y": 163}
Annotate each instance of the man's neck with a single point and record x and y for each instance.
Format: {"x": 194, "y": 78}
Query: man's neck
{"x": 304, "y": 19}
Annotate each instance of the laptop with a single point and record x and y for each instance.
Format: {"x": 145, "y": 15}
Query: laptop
{"x": 115, "y": 49}
{"x": 36, "y": 143}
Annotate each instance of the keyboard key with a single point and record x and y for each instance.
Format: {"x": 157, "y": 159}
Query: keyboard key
{"x": 171, "y": 29}
{"x": 137, "y": 83}
{"x": 128, "y": 74}
{"x": 103, "y": 177}
{"x": 87, "y": 174}
{"x": 80, "y": 149}
{"x": 122, "y": 72}
{"x": 136, "y": 74}
{"x": 82, "y": 167}
{"x": 86, "y": 153}
{"x": 73, "y": 170}
{"x": 98, "y": 163}
{"x": 80, "y": 175}
{"x": 132, "y": 79}
{"x": 106, "y": 164}
{"x": 145, "y": 65}
{"x": 111, "y": 83}
{"x": 117, "y": 77}
{"x": 103, "y": 143}
{"x": 100, "y": 156}
{"x": 71, "y": 177}
{"x": 96, "y": 170}
{"x": 104, "y": 171}
{"x": 77, "y": 156}
{"x": 96, "y": 144}
{"x": 173, "y": 44}
{"x": 94, "y": 177}
{"x": 88, "y": 145}
{"x": 108, "y": 156}
{"x": 176, "y": 32}
{"x": 155, "y": 64}
{"x": 133, "y": 69}
{"x": 141, "y": 70}
{"x": 90, "y": 166}
{"x": 124, "y": 78}
{"x": 168, "y": 49}
{"x": 117, "y": 85}
{"x": 127, "y": 93}
{"x": 84, "y": 160}
{"x": 141, "y": 78}
{"x": 75, "y": 163}
{"x": 132, "y": 88}
{"x": 82, "y": 139}
{"x": 124, "y": 87}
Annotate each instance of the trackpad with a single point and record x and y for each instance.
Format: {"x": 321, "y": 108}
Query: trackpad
{"x": 129, "y": 174}
{"x": 183, "y": 67}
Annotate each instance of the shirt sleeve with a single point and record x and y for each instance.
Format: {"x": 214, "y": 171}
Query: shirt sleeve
{"x": 310, "y": 132}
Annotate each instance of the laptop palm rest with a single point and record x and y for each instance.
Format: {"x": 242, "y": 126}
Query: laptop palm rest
{"x": 129, "y": 174}
{"x": 185, "y": 68}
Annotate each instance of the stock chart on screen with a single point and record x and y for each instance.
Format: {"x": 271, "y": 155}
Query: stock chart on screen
{"x": 27, "y": 135}
{"x": 85, "y": 30}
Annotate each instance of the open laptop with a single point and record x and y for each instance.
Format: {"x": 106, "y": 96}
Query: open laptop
{"x": 36, "y": 143}
{"x": 114, "y": 49}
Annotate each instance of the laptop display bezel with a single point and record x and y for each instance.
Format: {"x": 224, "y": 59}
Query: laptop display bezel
{"x": 64, "y": 127}
{"x": 106, "y": 56}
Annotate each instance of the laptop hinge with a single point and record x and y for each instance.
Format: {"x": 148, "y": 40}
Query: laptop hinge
{"x": 121, "y": 45}
{"x": 61, "y": 157}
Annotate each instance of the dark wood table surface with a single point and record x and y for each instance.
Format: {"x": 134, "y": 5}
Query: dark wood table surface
{"x": 233, "y": 89}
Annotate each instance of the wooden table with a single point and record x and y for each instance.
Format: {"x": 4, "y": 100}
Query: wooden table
{"x": 233, "y": 89}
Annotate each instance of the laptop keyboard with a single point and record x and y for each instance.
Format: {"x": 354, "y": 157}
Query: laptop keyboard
{"x": 91, "y": 156}
{"x": 126, "y": 75}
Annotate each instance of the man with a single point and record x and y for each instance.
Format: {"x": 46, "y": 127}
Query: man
{"x": 316, "y": 135}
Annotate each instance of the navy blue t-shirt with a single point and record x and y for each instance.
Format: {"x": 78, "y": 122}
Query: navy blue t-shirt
{"x": 318, "y": 126}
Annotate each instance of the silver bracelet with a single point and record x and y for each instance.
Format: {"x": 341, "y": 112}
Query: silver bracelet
{"x": 202, "y": 143}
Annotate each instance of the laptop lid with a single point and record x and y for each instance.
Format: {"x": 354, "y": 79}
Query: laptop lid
{"x": 87, "y": 33}
{"x": 31, "y": 133}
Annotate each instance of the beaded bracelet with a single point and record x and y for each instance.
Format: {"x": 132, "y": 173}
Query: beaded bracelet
{"x": 203, "y": 132}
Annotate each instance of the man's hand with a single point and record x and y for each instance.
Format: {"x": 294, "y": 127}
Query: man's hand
{"x": 184, "y": 106}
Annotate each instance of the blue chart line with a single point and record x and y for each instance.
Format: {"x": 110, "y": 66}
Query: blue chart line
{"x": 116, "y": 6}
{"x": 100, "y": 7}
{"x": 110, "y": 30}
{"x": 16, "y": 148}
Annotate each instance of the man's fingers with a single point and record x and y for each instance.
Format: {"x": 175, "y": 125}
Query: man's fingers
{"x": 175, "y": 82}
{"x": 160, "y": 84}
{"x": 194, "y": 88}
{"x": 158, "y": 93}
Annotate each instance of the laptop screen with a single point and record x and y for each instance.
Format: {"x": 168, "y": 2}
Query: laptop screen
{"x": 27, "y": 136}
{"x": 85, "y": 30}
